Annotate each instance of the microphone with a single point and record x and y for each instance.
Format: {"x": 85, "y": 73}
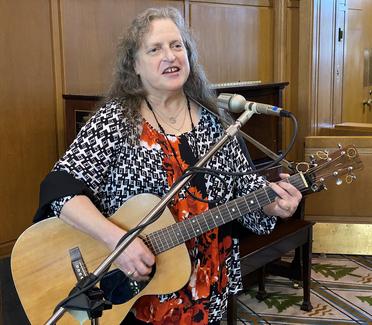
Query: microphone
{"x": 236, "y": 104}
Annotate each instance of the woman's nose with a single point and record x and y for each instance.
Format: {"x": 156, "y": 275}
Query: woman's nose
{"x": 168, "y": 54}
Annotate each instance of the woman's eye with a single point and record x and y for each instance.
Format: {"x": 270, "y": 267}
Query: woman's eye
{"x": 178, "y": 46}
{"x": 153, "y": 50}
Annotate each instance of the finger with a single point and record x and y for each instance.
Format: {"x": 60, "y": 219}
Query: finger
{"x": 138, "y": 277}
{"x": 288, "y": 186}
{"x": 142, "y": 269}
{"x": 143, "y": 253}
{"x": 287, "y": 191}
{"x": 284, "y": 175}
{"x": 279, "y": 190}
{"x": 147, "y": 257}
{"x": 284, "y": 205}
{"x": 128, "y": 273}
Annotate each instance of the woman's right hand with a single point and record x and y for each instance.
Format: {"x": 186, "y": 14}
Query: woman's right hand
{"x": 136, "y": 260}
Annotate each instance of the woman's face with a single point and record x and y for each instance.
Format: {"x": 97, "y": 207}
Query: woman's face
{"x": 161, "y": 61}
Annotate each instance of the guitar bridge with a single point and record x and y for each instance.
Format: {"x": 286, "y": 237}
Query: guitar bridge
{"x": 78, "y": 265}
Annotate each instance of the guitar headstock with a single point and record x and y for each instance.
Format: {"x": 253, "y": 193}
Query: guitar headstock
{"x": 338, "y": 165}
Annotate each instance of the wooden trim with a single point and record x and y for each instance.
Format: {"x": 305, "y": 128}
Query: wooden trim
{"x": 6, "y": 248}
{"x": 186, "y": 10}
{"x": 256, "y": 3}
{"x": 316, "y": 142}
{"x": 338, "y": 219}
{"x": 293, "y": 3}
{"x": 308, "y": 62}
{"x": 58, "y": 74}
{"x": 82, "y": 97}
{"x": 280, "y": 39}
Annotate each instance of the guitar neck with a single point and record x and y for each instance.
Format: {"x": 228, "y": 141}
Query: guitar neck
{"x": 178, "y": 233}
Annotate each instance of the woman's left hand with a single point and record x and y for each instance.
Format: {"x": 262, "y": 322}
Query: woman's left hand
{"x": 287, "y": 200}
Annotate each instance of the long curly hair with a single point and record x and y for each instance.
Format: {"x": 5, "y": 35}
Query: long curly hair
{"x": 127, "y": 87}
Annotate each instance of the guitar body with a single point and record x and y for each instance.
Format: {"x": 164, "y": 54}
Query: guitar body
{"x": 43, "y": 275}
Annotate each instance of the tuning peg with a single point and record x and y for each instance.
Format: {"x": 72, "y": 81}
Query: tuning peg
{"x": 350, "y": 178}
{"x": 338, "y": 181}
{"x": 314, "y": 187}
{"x": 339, "y": 145}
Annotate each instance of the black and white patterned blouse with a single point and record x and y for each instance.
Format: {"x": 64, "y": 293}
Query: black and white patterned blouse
{"x": 107, "y": 157}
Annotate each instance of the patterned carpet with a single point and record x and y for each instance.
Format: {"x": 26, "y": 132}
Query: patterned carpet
{"x": 341, "y": 293}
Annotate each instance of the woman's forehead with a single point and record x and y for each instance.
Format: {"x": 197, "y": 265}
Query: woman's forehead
{"x": 161, "y": 29}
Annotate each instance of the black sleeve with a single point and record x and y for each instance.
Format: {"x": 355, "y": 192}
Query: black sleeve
{"x": 58, "y": 184}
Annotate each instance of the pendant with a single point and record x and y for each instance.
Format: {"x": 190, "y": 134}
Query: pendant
{"x": 173, "y": 120}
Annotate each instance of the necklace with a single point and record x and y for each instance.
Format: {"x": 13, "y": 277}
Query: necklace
{"x": 173, "y": 126}
{"x": 170, "y": 118}
{"x": 163, "y": 132}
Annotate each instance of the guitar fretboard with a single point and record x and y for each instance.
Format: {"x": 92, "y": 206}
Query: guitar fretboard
{"x": 178, "y": 233}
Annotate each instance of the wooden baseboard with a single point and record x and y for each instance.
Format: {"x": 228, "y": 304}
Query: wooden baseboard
{"x": 6, "y": 248}
{"x": 335, "y": 238}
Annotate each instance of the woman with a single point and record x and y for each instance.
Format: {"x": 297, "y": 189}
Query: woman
{"x": 146, "y": 135}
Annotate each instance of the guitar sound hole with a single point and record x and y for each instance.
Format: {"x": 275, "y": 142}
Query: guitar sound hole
{"x": 118, "y": 288}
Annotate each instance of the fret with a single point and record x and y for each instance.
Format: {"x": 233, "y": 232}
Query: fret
{"x": 200, "y": 228}
{"x": 212, "y": 218}
{"x": 252, "y": 202}
{"x": 242, "y": 206}
{"x": 195, "y": 226}
{"x": 175, "y": 237}
{"x": 219, "y": 211}
{"x": 206, "y": 222}
{"x": 236, "y": 209}
{"x": 268, "y": 198}
{"x": 178, "y": 232}
{"x": 151, "y": 242}
{"x": 160, "y": 239}
{"x": 231, "y": 216}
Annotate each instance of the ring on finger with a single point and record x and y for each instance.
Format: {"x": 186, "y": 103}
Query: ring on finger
{"x": 130, "y": 273}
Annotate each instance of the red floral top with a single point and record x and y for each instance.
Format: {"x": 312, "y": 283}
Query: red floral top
{"x": 208, "y": 252}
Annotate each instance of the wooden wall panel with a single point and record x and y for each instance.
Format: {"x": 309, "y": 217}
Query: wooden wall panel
{"x": 358, "y": 38}
{"x": 325, "y": 63}
{"x": 90, "y": 31}
{"x": 291, "y": 74}
{"x": 353, "y": 68}
{"x": 235, "y": 42}
{"x": 28, "y": 145}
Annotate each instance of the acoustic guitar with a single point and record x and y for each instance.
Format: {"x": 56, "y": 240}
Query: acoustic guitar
{"x": 40, "y": 260}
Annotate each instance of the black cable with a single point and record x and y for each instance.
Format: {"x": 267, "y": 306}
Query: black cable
{"x": 203, "y": 170}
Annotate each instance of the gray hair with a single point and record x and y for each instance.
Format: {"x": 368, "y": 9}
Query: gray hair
{"x": 127, "y": 87}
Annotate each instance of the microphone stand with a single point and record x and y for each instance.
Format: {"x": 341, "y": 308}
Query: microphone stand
{"x": 266, "y": 151}
{"x": 227, "y": 120}
{"x": 230, "y": 132}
